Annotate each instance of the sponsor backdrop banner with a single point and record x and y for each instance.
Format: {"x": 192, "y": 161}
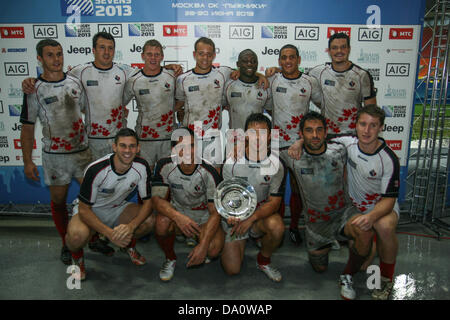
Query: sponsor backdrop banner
{"x": 385, "y": 37}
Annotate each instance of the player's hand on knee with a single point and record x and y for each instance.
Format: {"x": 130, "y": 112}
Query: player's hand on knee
{"x": 188, "y": 226}
{"x": 31, "y": 171}
{"x": 28, "y": 85}
{"x": 122, "y": 232}
{"x": 364, "y": 222}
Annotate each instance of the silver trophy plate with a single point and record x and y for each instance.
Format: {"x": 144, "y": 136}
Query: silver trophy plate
{"x": 235, "y": 198}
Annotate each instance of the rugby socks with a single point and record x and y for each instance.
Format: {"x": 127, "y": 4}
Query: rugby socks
{"x": 60, "y": 218}
{"x": 77, "y": 255}
{"x": 354, "y": 263}
{"x": 295, "y": 204}
{"x": 166, "y": 243}
{"x": 262, "y": 261}
{"x": 132, "y": 244}
{"x": 387, "y": 269}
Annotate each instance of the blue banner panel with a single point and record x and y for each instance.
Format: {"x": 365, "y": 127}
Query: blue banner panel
{"x": 399, "y": 12}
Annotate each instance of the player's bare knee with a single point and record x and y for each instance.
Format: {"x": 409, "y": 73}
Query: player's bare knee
{"x": 76, "y": 239}
{"x": 274, "y": 226}
{"x": 385, "y": 229}
{"x": 162, "y": 225}
{"x": 232, "y": 270}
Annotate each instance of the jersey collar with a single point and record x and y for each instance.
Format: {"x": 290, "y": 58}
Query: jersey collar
{"x": 381, "y": 147}
{"x": 101, "y": 69}
{"x": 43, "y": 80}
{"x": 349, "y": 68}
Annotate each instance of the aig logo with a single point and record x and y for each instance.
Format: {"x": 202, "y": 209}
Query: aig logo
{"x": 45, "y": 31}
{"x": 306, "y": 33}
{"x": 114, "y": 29}
{"x": 370, "y": 34}
{"x": 241, "y": 32}
{"x": 397, "y": 69}
{"x": 16, "y": 69}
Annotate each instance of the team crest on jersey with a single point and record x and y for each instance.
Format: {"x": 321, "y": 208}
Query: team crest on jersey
{"x": 266, "y": 178}
{"x": 329, "y": 83}
{"x": 351, "y": 84}
{"x": 217, "y": 83}
{"x": 74, "y": 92}
{"x": 117, "y": 78}
{"x": 167, "y": 86}
{"x": 132, "y": 185}
{"x": 197, "y": 188}
{"x": 334, "y": 163}
{"x": 303, "y": 91}
{"x": 372, "y": 173}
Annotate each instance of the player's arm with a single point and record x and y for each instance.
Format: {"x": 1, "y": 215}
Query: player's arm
{"x": 372, "y": 100}
{"x": 382, "y": 208}
{"x": 295, "y": 150}
{"x": 176, "y": 68}
{"x": 271, "y": 71}
{"x": 160, "y": 198}
{"x": 89, "y": 218}
{"x": 27, "y": 141}
{"x": 265, "y": 210}
{"x": 179, "y": 109}
{"x": 28, "y": 85}
{"x": 198, "y": 254}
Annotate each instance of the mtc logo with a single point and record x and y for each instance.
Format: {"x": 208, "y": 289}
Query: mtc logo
{"x": 397, "y": 69}
{"x": 241, "y": 32}
{"x": 175, "y": 30}
{"x": 394, "y": 144}
{"x": 12, "y": 32}
{"x": 401, "y": 33}
{"x": 45, "y": 31}
{"x": 333, "y": 30}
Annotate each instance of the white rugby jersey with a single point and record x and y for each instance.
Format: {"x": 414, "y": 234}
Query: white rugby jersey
{"x": 265, "y": 185}
{"x": 370, "y": 176}
{"x": 155, "y": 103}
{"x": 321, "y": 179}
{"x": 58, "y": 105}
{"x": 290, "y": 99}
{"x": 244, "y": 98}
{"x": 202, "y": 95}
{"x": 103, "y": 187}
{"x": 188, "y": 192}
{"x": 105, "y": 114}
{"x": 343, "y": 95}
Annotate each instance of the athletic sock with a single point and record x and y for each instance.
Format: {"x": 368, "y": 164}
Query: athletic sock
{"x": 60, "y": 218}
{"x": 387, "y": 269}
{"x": 295, "y": 204}
{"x": 77, "y": 255}
{"x": 166, "y": 243}
{"x": 354, "y": 263}
{"x": 132, "y": 244}
{"x": 262, "y": 261}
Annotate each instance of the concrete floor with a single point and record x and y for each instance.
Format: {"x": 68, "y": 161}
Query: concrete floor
{"x": 31, "y": 270}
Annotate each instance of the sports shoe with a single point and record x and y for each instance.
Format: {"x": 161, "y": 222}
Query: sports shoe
{"x": 66, "y": 256}
{"x": 271, "y": 272}
{"x": 180, "y": 238}
{"x": 294, "y": 234}
{"x": 167, "y": 270}
{"x": 347, "y": 292}
{"x": 385, "y": 291}
{"x": 335, "y": 245}
{"x": 101, "y": 246}
{"x": 135, "y": 256}
{"x": 80, "y": 266}
{"x": 191, "y": 242}
{"x": 207, "y": 260}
